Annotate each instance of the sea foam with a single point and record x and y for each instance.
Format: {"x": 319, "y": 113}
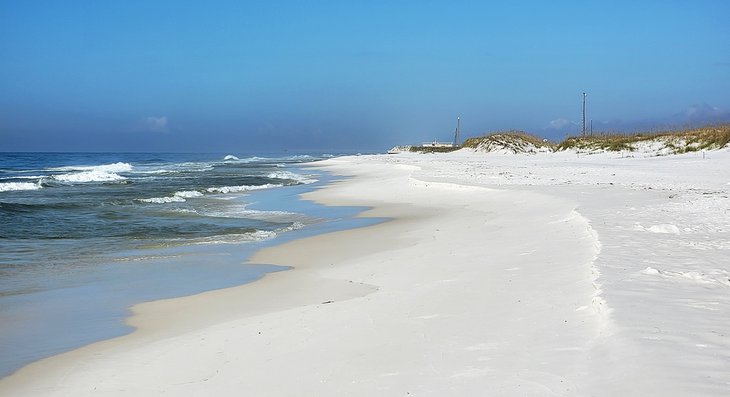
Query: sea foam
{"x": 189, "y": 194}
{"x": 259, "y": 235}
{"x": 242, "y": 188}
{"x": 89, "y": 176}
{"x": 288, "y": 175}
{"x": 115, "y": 167}
{"x": 15, "y": 186}
{"x": 163, "y": 200}
{"x": 178, "y": 197}
{"x": 92, "y": 173}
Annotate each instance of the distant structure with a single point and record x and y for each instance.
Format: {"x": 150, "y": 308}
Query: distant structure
{"x": 457, "y": 131}
{"x": 454, "y": 144}
{"x": 434, "y": 146}
{"x": 435, "y": 143}
{"x": 584, "y": 114}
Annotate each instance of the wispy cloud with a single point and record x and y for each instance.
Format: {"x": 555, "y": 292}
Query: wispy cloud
{"x": 158, "y": 124}
{"x": 152, "y": 124}
{"x": 705, "y": 112}
{"x": 559, "y": 124}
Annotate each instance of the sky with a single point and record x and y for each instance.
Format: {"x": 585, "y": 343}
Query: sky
{"x": 275, "y": 76}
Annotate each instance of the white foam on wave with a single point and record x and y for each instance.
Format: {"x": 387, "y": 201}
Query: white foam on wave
{"x": 111, "y": 168}
{"x": 288, "y": 175}
{"x": 17, "y": 186}
{"x": 191, "y": 167}
{"x": 89, "y": 176}
{"x": 35, "y": 177}
{"x": 163, "y": 200}
{"x": 293, "y": 226}
{"x": 92, "y": 173}
{"x": 243, "y": 212}
{"x": 242, "y": 188}
{"x": 189, "y": 194}
{"x": 174, "y": 168}
{"x": 159, "y": 171}
{"x": 259, "y": 235}
{"x": 230, "y": 157}
{"x": 178, "y": 197}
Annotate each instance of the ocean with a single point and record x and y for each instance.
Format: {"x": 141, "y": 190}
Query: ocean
{"x": 83, "y": 236}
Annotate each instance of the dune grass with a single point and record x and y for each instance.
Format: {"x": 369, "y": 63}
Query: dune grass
{"x": 505, "y": 135}
{"x": 514, "y": 141}
{"x": 678, "y": 141}
{"x": 432, "y": 149}
{"x": 710, "y": 137}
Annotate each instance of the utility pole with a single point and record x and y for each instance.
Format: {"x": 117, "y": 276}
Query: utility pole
{"x": 584, "y": 114}
{"x": 457, "y": 132}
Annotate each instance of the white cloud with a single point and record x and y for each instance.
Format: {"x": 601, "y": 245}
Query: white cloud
{"x": 559, "y": 124}
{"x": 152, "y": 124}
{"x": 703, "y": 112}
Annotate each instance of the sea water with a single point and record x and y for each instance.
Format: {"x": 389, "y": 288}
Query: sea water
{"x": 84, "y": 236}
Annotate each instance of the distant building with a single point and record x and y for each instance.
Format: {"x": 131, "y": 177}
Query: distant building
{"x": 437, "y": 144}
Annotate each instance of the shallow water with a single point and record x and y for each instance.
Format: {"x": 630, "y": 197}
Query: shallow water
{"x": 75, "y": 255}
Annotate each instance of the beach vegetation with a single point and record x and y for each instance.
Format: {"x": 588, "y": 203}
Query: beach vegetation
{"x": 508, "y": 141}
{"x": 434, "y": 149}
{"x": 678, "y": 141}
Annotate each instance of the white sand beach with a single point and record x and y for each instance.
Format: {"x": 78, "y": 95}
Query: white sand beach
{"x": 554, "y": 274}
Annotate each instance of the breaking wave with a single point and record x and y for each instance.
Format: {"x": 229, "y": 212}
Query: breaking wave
{"x": 111, "y": 168}
{"x": 88, "y": 176}
{"x": 290, "y": 176}
{"x": 163, "y": 200}
{"x": 258, "y": 235}
{"x": 92, "y": 173}
{"x": 242, "y": 188}
{"x": 178, "y": 197}
{"x": 15, "y": 186}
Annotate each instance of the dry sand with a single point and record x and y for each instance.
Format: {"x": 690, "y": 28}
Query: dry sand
{"x": 498, "y": 275}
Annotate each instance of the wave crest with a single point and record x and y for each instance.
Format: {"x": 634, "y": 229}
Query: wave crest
{"x": 188, "y": 194}
{"x": 290, "y": 176}
{"x": 92, "y": 173}
{"x": 178, "y": 197}
{"x": 111, "y": 168}
{"x": 163, "y": 200}
{"x": 242, "y": 188}
{"x": 89, "y": 176}
{"x": 17, "y": 186}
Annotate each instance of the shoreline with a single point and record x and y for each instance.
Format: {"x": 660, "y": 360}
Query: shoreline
{"x": 327, "y": 281}
{"x": 96, "y": 302}
{"x": 469, "y": 287}
{"x": 57, "y": 295}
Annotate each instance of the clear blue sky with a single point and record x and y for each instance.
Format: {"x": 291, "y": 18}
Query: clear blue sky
{"x": 243, "y": 76}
